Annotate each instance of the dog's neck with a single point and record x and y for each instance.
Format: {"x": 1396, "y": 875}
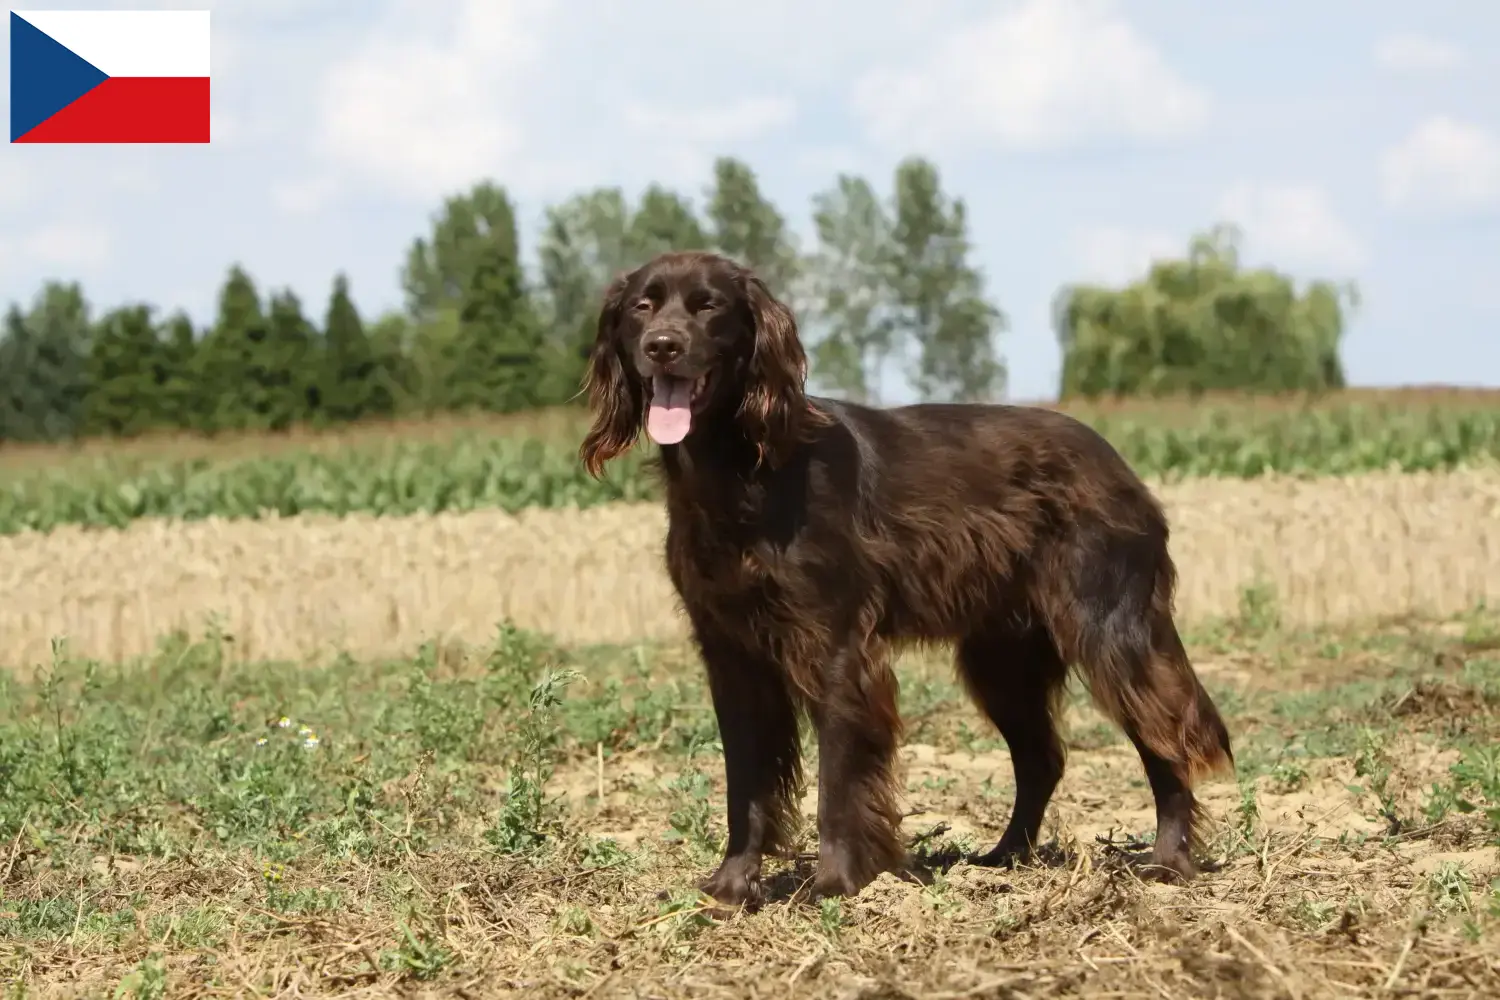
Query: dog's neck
{"x": 721, "y": 464}
{"x": 718, "y": 468}
{"x": 718, "y": 451}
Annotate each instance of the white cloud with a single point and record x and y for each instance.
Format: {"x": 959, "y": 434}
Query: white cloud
{"x": 1292, "y": 225}
{"x": 424, "y": 105}
{"x": 795, "y": 43}
{"x": 15, "y": 183}
{"x": 1443, "y": 166}
{"x": 304, "y": 195}
{"x": 1114, "y": 255}
{"x": 66, "y": 244}
{"x": 1043, "y": 74}
{"x": 1415, "y": 53}
{"x": 683, "y": 142}
{"x": 240, "y": 127}
{"x": 747, "y": 118}
{"x": 828, "y": 160}
{"x": 427, "y": 103}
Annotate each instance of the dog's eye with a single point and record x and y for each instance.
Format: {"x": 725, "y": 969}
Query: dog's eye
{"x": 705, "y": 305}
{"x": 643, "y": 305}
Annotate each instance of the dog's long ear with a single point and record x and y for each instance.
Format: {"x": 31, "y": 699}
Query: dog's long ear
{"x": 775, "y": 411}
{"x": 616, "y": 399}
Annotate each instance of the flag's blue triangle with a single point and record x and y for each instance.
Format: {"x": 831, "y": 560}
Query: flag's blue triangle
{"x": 45, "y": 77}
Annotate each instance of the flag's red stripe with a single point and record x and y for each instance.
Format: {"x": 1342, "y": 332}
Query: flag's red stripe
{"x": 132, "y": 109}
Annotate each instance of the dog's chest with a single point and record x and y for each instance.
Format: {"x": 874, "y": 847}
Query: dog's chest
{"x": 705, "y": 563}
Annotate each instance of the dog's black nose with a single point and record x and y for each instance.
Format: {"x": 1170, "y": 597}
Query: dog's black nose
{"x": 663, "y": 348}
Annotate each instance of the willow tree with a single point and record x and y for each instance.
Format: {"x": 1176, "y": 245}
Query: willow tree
{"x": 1201, "y": 324}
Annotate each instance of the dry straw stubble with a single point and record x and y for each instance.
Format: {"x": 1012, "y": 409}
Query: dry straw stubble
{"x": 1333, "y": 549}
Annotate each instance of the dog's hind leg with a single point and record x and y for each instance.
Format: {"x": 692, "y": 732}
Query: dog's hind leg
{"x": 1118, "y": 620}
{"x": 1178, "y": 733}
{"x": 1017, "y": 680}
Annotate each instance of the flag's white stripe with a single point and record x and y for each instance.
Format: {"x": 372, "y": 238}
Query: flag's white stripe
{"x": 131, "y": 42}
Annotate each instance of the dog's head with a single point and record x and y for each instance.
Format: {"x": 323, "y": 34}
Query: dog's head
{"x": 687, "y": 343}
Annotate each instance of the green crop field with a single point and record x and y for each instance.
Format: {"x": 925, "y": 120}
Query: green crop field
{"x": 512, "y": 465}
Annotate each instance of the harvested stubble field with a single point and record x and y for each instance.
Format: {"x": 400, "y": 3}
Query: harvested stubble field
{"x": 1330, "y": 549}
{"x": 527, "y": 820}
{"x": 393, "y": 535}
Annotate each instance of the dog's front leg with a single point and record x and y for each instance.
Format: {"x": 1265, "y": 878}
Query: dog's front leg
{"x": 859, "y": 730}
{"x": 762, "y": 763}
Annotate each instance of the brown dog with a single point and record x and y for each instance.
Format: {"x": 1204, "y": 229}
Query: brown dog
{"x": 809, "y": 536}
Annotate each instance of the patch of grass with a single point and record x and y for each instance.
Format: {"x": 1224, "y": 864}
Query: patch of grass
{"x": 1472, "y": 787}
{"x": 533, "y": 818}
{"x": 692, "y": 818}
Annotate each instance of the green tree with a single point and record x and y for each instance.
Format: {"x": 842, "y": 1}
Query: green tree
{"x": 16, "y": 398}
{"x": 1202, "y": 323}
{"x": 894, "y": 281}
{"x": 848, "y": 289}
{"x": 352, "y": 387}
{"x": 467, "y": 295}
{"x": 229, "y": 393}
{"x": 583, "y": 246}
{"x": 495, "y": 352}
{"x": 287, "y": 367}
{"x": 439, "y": 267}
{"x": 125, "y": 360}
{"x": 663, "y": 221}
{"x": 177, "y": 391}
{"x": 393, "y": 384}
{"x": 745, "y": 226}
{"x": 938, "y": 294}
{"x": 44, "y": 357}
{"x": 432, "y": 356}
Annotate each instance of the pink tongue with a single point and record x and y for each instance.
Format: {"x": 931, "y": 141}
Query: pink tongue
{"x": 670, "y": 416}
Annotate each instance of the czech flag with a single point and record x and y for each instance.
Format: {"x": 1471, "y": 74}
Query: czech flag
{"x": 109, "y": 76}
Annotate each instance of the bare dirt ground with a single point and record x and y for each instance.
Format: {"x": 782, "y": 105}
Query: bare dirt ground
{"x": 459, "y": 825}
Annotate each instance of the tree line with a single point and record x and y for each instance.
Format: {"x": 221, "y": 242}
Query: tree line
{"x": 887, "y": 284}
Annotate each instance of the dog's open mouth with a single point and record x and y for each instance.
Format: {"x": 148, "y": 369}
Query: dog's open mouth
{"x": 673, "y": 402}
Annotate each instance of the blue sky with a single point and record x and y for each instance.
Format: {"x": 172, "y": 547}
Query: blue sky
{"x": 1353, "y": 139}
